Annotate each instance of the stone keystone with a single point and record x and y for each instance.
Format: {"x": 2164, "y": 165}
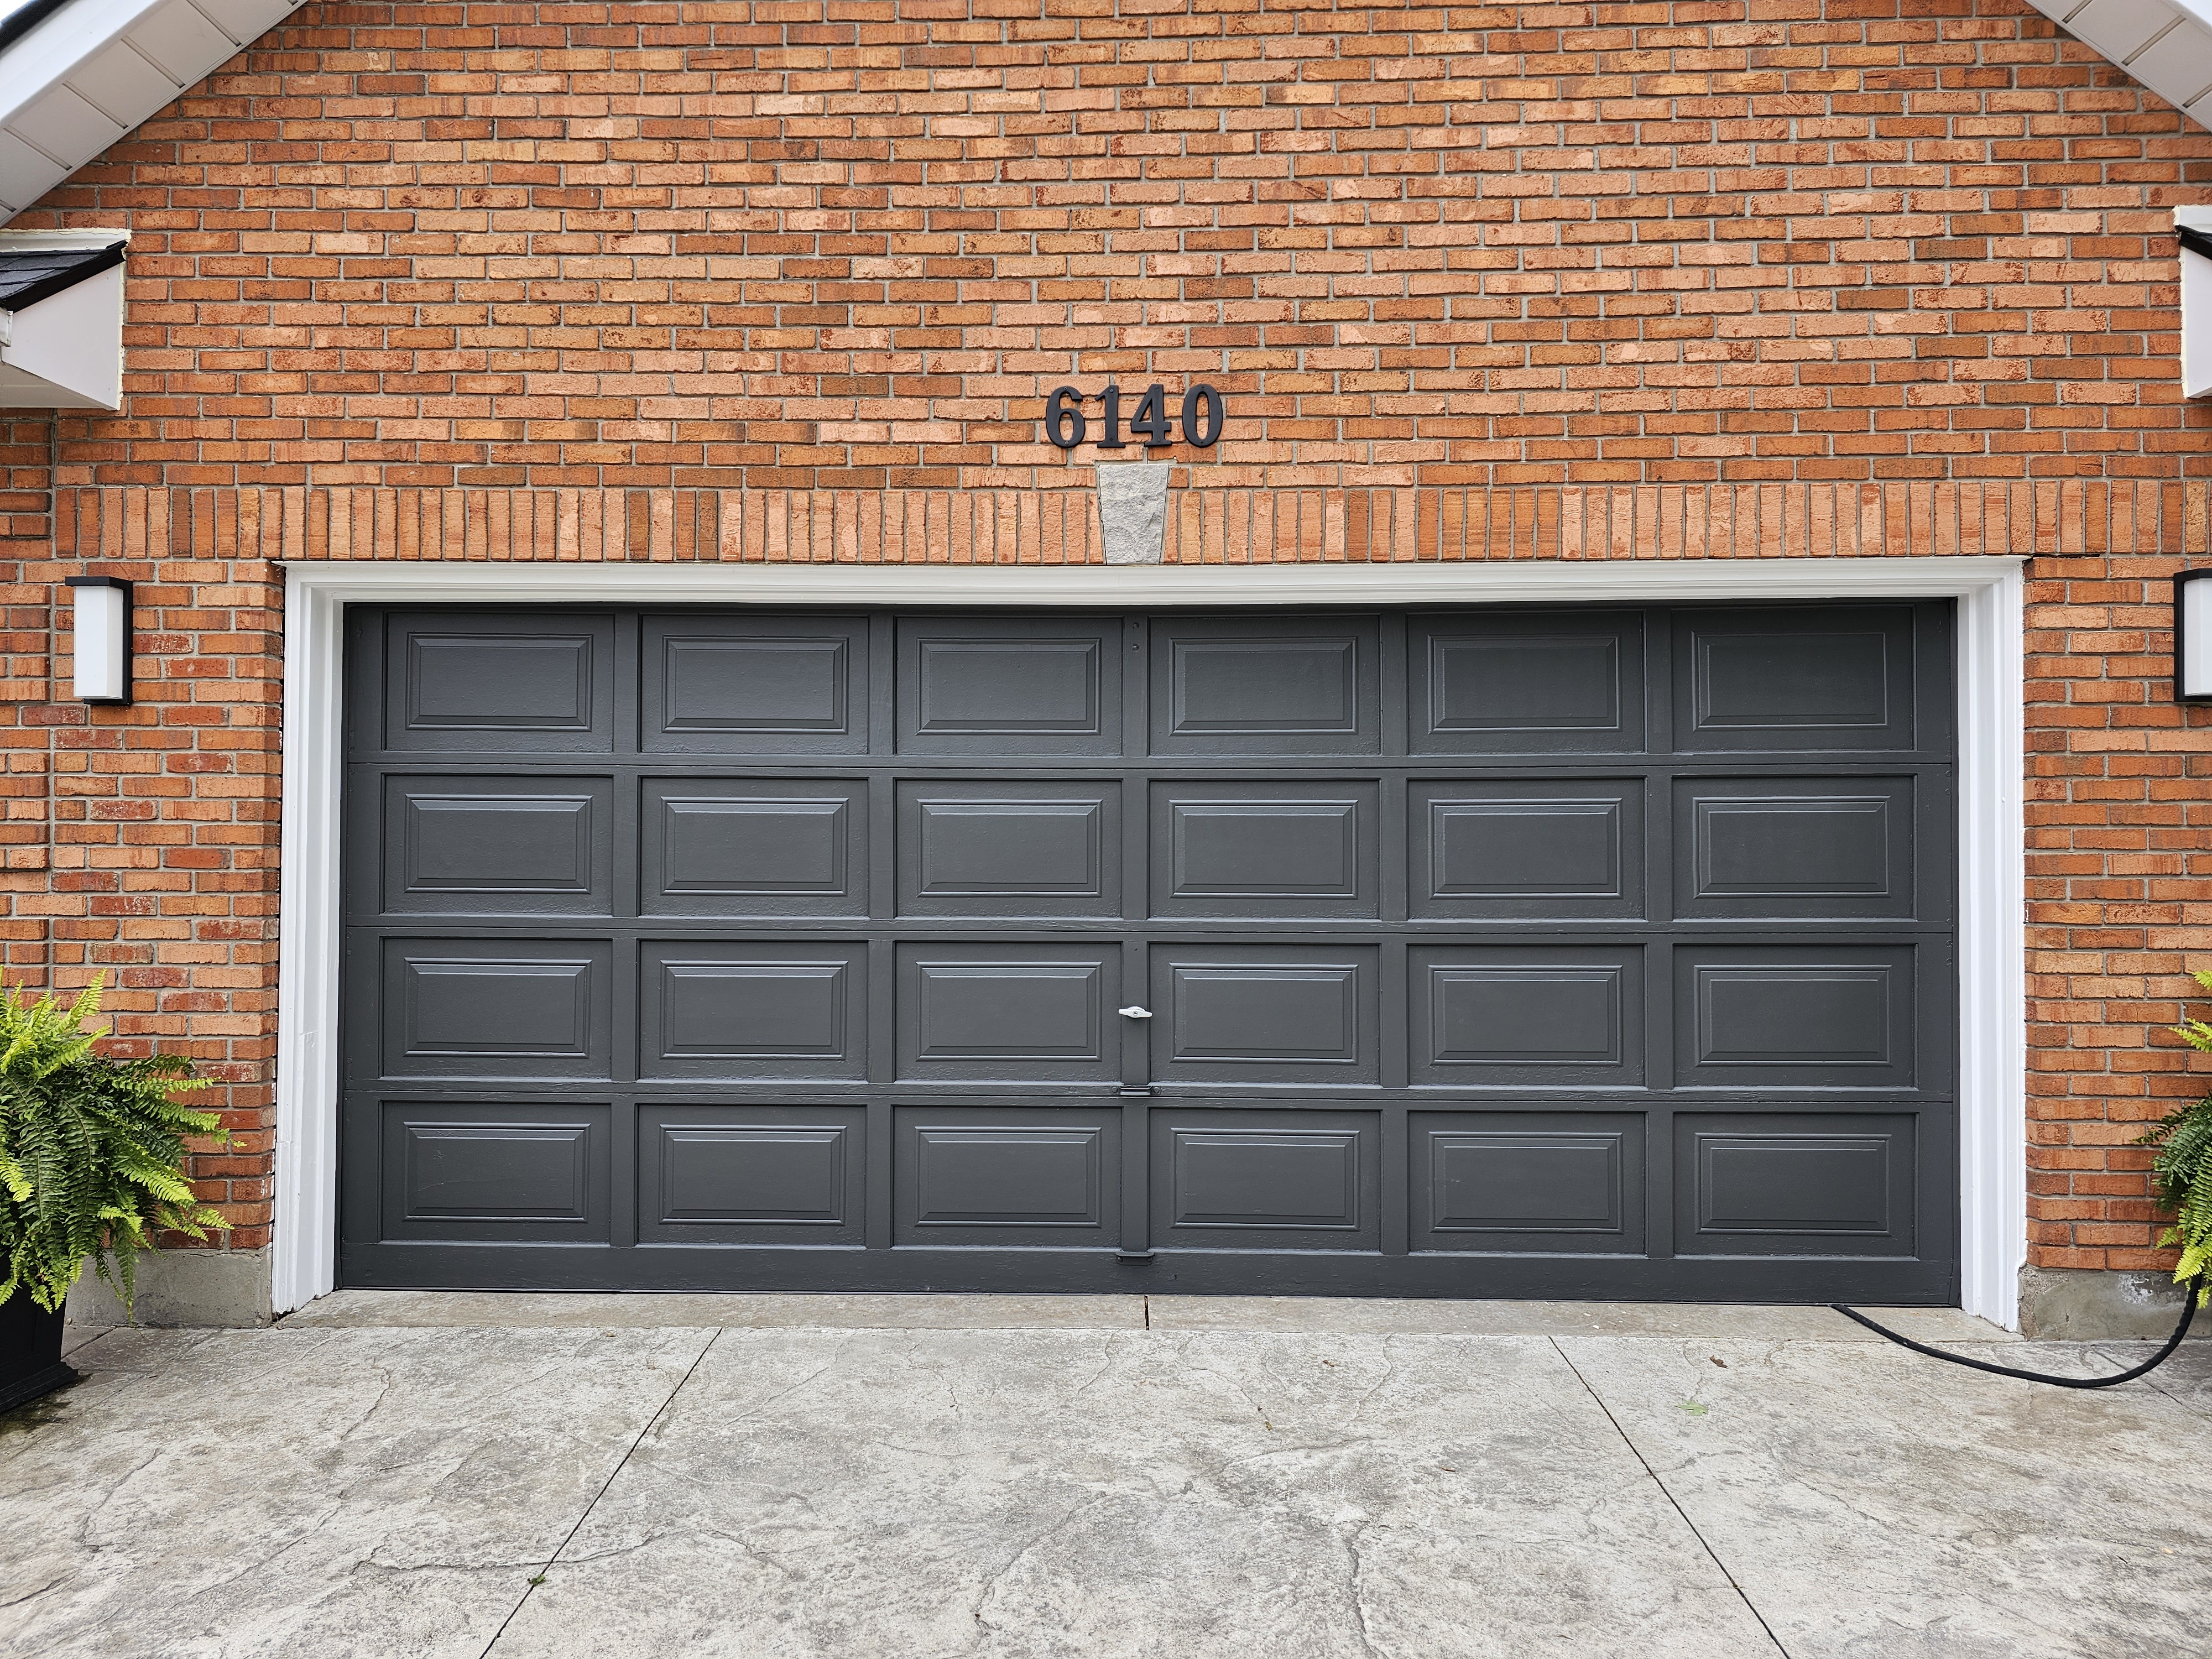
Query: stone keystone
{"x": 1133, "y": 510}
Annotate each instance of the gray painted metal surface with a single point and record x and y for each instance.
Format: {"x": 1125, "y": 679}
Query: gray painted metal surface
{"x": 1563, "y": 952}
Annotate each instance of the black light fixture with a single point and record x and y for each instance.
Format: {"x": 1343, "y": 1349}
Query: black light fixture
{"x": 101, "y": 641}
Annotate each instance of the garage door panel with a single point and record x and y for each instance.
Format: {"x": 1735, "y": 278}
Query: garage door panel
{"x": 789, "y": 847}
{"x": 483, "y": 845}
{"x": 770, "y": 1008}
{"x": 1007, "y": 685}
{"x": 1262, "y": 1014}
{"x": 1528, "y": 1180}
{"x": 761, "y": 1176}
{"x": 1266, "y": 849}
{"x": 490, "y": 1172}
{"x": 1553, "y": 682}
{"x": 504, "y": 683}
{"x": 1503, "y": 950}
{"x": 1014, "y": 1012}
{"x": 988, "y": 848}
{"x": 1521, "y": 1016}
{"x": 1780, "y": 1183}
{"x": 1259, "y": 1179}
{"x": 1265, "y": 686}
{"x": 1768, "y": 1017}
{"x": 497, "y": 1007}
{"x": 1020, "y": 1176}
{"x": 1524, "y": 847}
{"x": 1836, "y": 678}
{"x": 1766, "y": 847}
{"x": 717, "y": 684}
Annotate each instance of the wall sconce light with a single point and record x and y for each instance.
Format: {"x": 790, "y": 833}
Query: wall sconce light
{"x": 2193, "y": 636}
{"x": 102, "y": 641}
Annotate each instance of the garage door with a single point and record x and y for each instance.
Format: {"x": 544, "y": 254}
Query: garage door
{"x": 1481, "y": 952}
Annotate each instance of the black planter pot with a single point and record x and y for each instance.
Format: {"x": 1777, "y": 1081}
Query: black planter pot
{"x": 30, "y": 1351}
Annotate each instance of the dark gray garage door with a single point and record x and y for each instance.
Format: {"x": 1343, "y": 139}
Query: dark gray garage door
{"x": 1483, "y": 952}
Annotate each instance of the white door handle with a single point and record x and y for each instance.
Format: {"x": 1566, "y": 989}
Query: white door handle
{"x": 1133, "y": 1011}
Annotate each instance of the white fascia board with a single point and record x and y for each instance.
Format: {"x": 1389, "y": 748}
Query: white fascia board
{"x": 66, "y": 351}
{"x": 95, "y": 70}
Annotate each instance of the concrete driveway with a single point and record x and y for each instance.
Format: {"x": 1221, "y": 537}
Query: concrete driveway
{"x": 891, "y": 1478}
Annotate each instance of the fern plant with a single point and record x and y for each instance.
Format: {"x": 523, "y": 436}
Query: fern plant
{"x": 92, "y": 1150}
{"x": 2181, "y": 1170}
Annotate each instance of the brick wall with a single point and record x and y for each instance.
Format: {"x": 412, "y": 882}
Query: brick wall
{"x": 793, "y": 279}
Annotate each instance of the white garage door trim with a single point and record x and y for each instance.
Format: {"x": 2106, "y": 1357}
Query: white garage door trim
{"x": 1992, "y": 874}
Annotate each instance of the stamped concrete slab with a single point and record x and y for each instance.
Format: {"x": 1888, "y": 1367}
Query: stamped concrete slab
{"x": 311, "y": 1493}
{"x": 1877, "y": 1504}
{"x": 1109, "y": 1494}
{"x": 531, "y": 1310}
{"x": 1397, "y": 1315}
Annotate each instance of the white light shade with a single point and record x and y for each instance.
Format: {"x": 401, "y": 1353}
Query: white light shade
{"x": 2193, "y": 636}
{"x": 102, "y": 641}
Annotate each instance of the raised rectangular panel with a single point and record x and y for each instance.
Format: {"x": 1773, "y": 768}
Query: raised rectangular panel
{"x": 508, "y": 683}
{"x": 482, "y": 845}
{"x": 764, "y": 846}
{"x": 1006, "y": 1175}
{"x": 749, "y": 1175}
{"x": 493, "y": 1172}
{"x": 178, "y": 37}
{"x": 1777, "y": 1184}
{"x": 1794, "y": 1017}
{"x": 1527, "y": 1015}
{"x": 987, "y": 848}
{"x": 1264, "y": 849}
{"x": 475, "y": 684}
{"x": 124, "y": 87}
{"x": 1257, "y": 1178}
{"x": 1265, "y": 1179}
{"x": 993, "y": 685}
{"x": 1007, "y": 1011}
{"x": 755, "y": 684}
{"x": 1492, "y": 849}
{"x": 1834, "y": 678}
{"x": 1254, "y": 1014}
{"x": 1525, "y": 1181}
{"x": 1757, "y": 848}
{"x": 1264, "y": 685}
{"x": 770, "y": 1008}
{"x": 496, "y": 1008}
{"x": 1542, "y": 682}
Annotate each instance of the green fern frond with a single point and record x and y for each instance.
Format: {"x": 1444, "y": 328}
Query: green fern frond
{"x": 92, "y": 1150}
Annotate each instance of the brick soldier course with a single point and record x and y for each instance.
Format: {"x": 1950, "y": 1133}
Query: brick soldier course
{"x": 697, "y": 281}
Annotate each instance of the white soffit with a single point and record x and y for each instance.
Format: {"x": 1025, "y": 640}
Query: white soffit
{"x": 2165, "y": 44}
{"x": 91, "y": 70}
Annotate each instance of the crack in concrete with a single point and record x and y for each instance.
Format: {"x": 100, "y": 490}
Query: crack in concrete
{"x": 621, "y": 1463}
{"x": 990, "y": 1585}
{"x": 1653, "y": 1474}
{"x": 92, "y": 1511}
{"x": 1355, "y": 1577}
{"x": 33, "y": 1596}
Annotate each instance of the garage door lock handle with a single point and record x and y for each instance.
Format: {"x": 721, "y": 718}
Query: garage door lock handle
{"x": 1133, "y": 1011}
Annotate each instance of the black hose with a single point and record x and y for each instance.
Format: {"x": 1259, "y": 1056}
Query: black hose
{"x": 2188, "y": 1312}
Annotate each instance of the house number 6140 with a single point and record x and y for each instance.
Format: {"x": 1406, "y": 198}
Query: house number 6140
{"x": 1201, "y": 417}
